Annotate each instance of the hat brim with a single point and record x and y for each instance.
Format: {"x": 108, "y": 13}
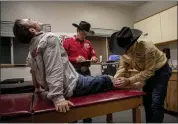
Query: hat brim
{"x": 77, "y": 26}
{"x": 136, "y": 34}
{"x": 114, "y": 47}
{"x": 87, "y": 32}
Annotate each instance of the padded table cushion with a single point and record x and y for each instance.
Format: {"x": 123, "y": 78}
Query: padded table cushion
{"x": 15, "y": 104}
{"x": 42, "y": 104}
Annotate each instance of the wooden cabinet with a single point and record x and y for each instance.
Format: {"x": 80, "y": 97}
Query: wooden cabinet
{"x": 169, "y": 24}
{"x": 171, "y": 101}
{"x": 151, "y": 29}
{"x": 159, "y": 28}
{"x": 143, "y": 27}
{"x": 154, "y": 29}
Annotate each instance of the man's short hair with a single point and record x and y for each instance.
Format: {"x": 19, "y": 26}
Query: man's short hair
{"x": 21, "y": 32}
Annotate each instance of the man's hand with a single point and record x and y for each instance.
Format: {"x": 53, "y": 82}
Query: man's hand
{"x": 80, "y": 59}
{"x": 94, "y": 59}
{"x": 63, "y": 106}
{"x": 121, "y": 82}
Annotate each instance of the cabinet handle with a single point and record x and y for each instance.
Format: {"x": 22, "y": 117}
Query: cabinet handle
{"x": 145, "y": 34}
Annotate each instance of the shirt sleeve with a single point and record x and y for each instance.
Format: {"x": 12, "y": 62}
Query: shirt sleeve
{"x": 54, "y": 68}
{"x": 149, "y": 69}
{"x": 123, "y": 69}
{"x": 66, "y": 46}
{"x": 29, "y": 60}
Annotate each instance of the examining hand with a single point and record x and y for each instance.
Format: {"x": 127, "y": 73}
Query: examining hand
{"x": 94, "y": 59}
{"x": 121, "y": 82}
{"x": 63, "y": 106}
{"x": 80, "y": 59}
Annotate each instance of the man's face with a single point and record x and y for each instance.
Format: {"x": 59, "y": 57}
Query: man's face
{"x": 33, "y": 24}
{"x": 81, "y": 35}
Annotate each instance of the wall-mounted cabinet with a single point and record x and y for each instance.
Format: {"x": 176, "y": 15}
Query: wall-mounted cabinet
{"x": 159, "y": 28}
{"x": 171, "y": 100}
{"x": 169, "y": 24}
{"x": 143, "y": 26}
{"x": 154, "y": 29}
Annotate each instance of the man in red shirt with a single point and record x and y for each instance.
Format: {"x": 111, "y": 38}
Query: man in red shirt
{"x": 80, "y": 50}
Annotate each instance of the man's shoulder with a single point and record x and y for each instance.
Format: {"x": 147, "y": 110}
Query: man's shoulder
{"x": 146, "y": 43}
{"x": 147, "y": 47}
{"x": 49, "y": 34}
{"x": 69, "y": 39}
{"x": 48, "y": 38}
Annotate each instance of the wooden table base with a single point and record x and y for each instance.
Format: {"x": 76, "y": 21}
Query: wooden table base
{"x": 136, "y": 113}
{"x": 105, "y": 108}
{"x": 109, "y": 118}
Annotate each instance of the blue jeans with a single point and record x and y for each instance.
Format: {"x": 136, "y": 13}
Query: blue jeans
{"x": 86, "y": 73}
{"x": 92, "y": 84}
{"x": 156, "y": 89}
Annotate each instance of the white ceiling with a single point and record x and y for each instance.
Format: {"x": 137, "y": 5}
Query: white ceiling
{"x": 132, "y": 4}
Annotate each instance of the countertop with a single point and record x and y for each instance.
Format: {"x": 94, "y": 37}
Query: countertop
{"x": 12, "y": 65}
{"x": 25, "y": 65}
{"x": 175, "y": 71}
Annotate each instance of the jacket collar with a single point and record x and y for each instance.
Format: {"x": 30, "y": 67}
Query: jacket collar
{"x": 132, "y": 48}
{"x": 35, "y": 37}
{"x": 75, "y": 39}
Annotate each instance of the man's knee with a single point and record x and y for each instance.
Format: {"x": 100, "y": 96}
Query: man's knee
{"x": 107, "y": 78}
{"x": 157, "y": 105}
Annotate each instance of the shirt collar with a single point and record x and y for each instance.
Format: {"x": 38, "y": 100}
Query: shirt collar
{"x": 132, "y": 48}
{"x": 75, "y": 39}
{"x": 34, "y": 38}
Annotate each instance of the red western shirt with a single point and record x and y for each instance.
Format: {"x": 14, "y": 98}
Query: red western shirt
{"x": 75, "y": 48}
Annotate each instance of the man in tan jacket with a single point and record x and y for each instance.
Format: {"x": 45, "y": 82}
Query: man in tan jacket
{"x": 152, "y": 65}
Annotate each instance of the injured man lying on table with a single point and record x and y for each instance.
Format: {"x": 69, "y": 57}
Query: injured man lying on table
{"x": 62, "y": 81}
{"x": 51, "y": 69}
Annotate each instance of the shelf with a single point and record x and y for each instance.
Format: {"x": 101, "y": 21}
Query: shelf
{"x": 166, "y": 42}
{"x": 13, "y": 65}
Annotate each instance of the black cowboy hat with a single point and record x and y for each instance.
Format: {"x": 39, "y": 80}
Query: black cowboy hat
{"x": 122, "y": 40}
{"x": 85, "y": 27}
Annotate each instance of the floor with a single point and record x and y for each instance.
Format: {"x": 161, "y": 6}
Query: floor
{"x": 126, "y": 116}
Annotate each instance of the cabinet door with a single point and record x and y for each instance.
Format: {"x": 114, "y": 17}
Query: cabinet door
{"x": 151, "y": 28}
{"x": 172, "y": 104}
{"x": 169, "y": 24}
{"x": 154, "y": 29}
{"x": 142, "y": 25}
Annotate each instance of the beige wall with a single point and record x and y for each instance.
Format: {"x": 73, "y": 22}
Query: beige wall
{"x": 17, "y": 72}
{"x": 24, "y": 72}
{"x": 61, "y": 15}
